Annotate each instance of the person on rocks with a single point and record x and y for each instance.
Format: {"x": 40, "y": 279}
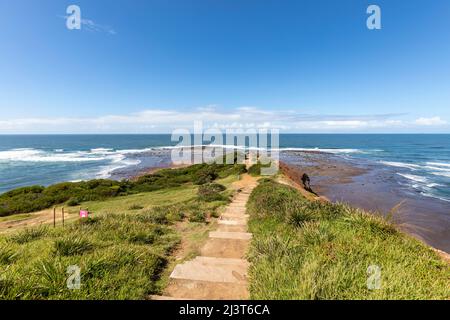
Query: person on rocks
{"x": 306, "y": 182}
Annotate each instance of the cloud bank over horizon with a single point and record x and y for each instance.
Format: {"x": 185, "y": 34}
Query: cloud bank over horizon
{"x": 287, "y": 121}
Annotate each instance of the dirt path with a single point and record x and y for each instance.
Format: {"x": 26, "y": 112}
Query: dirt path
{"x": 35, "y": 219}
{"x": 220, "y": 272}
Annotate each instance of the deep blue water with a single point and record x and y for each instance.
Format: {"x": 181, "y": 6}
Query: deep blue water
{"x": 423, "y": 161}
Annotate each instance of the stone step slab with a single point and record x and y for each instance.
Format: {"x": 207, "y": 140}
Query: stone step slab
{"x": 230, "y": 235}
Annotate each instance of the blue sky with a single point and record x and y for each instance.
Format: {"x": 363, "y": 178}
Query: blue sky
{"x": 154, "y": 65}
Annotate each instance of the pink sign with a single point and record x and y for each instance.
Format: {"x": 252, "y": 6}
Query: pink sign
{"x": 84, "y": 213}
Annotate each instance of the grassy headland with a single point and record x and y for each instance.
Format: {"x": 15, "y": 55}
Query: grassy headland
{"x": 305, "y": 249}
{"x": 124, "y": 248}
{"x": 301, "y": 248}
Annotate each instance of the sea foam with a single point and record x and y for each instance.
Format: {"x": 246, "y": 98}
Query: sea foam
{"x": 401, "y": 165}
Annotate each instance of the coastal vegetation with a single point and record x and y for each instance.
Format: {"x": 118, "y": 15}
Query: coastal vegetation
{"x": 124, "y": 249}
{"x": 301, "y": 248}
{"x": 35, "y": 198}
{"x": 255, "y": 170}
{"x": 305, "y": 249}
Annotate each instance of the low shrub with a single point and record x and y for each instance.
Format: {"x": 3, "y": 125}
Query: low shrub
{"x": 29, "y": 234}
{"x": 205, "y": 175}
{"x": 255, "y": 170}
{"x": 73, "y": 202}
{"x": 211, "y": 192}
{"x": 197, "y": 216}
{"x": 72, "y": 245}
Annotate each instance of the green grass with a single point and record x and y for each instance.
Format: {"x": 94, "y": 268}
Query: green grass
{"x": 72, "y": 245}
{"x": 145, "y": 200}
{"x": 255, "y": 170}
{"x": 8, "y": 254}
{"x": 28, "y": 235}
{"x": 315, "y": 250}
{"x": 122, "y": 250}
{"x": 121, "y": 255}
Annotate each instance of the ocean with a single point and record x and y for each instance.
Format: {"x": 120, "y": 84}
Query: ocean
{"x": 419, "y": 162}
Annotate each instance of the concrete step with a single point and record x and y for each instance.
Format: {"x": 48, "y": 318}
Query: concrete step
{"x": 230, "y": 235}
{"x": 231, "y": 228}
{"x": 225, "y": 248}
{"x": 221, "y": 261}
{"x": 240, "y": 200}
{"x": 235, "y": 217}
{"x": 241, "y": 196}
{"x": 212, "y": 270}
{"x": 232, "y": 222}
{"x": 234, "y": 213}
{"x": 205, "y": 290}
{"x": 242, "y": 219}
{"x": 233, "y": 207}
{"x": 236, "y": 205}
{"x": 237, "y": 209}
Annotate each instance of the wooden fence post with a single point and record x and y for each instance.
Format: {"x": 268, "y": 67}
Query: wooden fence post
{"x": 54, "y": 217}
{"x": 62, "y": 211}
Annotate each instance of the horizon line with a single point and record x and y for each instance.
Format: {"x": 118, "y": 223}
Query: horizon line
{"x": 281, "y": 133}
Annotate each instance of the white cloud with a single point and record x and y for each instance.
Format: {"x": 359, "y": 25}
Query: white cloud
{"x": 434, "y": 121}
{"x": 92, "y": 26}
{"x": 159, "y": 121}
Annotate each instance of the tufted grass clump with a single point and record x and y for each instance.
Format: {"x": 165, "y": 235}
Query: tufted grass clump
{"x": 29, "y": 234}
{"x": 8, "y": 253}
{"x": 72, "y": 245}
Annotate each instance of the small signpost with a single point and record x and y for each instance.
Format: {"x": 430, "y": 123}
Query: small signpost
{"x": 84, "y": 213}
{"x": 54, "y": 217}
{"x": 62, "y": 212}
